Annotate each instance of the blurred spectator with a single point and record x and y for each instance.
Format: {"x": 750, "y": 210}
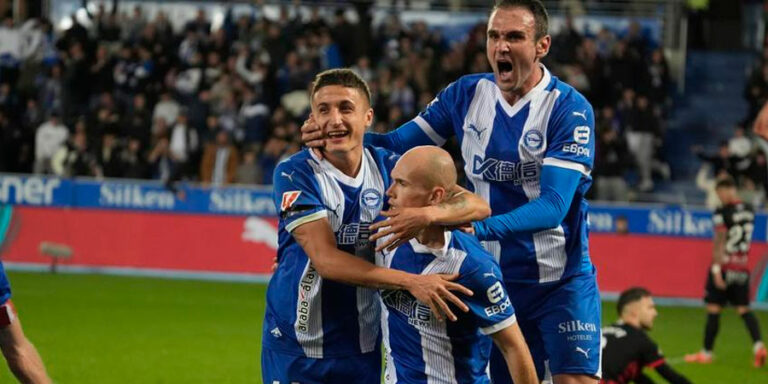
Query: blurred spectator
{"x": 612, "y": 161}
{"x": 720, "y": 161}
{"x": 50, "y": 136}
{"x": 109, "y": 157}
{"x": 162, "y": 164}
{"x": 132, "y": 161}
{"x": 74, "y": 159}
{"x": 219, "y": 164}
{"x": 184, "y": 143}
{"x": 643, "y": 131}
{"x": 249, "y": 172}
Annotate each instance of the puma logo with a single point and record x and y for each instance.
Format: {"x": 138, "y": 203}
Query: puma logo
{"x": 585, "y": 352}
{"x": 582, "y": 114}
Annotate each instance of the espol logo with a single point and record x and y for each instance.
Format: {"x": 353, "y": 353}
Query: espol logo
{"x": 581, "y": 134}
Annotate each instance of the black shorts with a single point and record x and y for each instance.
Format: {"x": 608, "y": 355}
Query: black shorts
{"x": 736, "y": 292}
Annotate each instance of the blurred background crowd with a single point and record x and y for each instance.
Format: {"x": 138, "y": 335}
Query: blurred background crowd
{"x": 121, "y": 94}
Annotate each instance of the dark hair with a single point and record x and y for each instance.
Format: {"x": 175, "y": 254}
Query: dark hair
{"x": 726, "y": 182}
{"x": 630, "y": 296}
{"x": 344, "y": 77}
{"x": 536, "y": 7}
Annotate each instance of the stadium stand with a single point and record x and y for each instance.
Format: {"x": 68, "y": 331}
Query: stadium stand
{"x": 125, "y": 94}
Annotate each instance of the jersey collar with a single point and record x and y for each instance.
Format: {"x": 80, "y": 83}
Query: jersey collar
{"x": 354, "y": 182}
{"x": 440, "y": 253}
{"x": 511, "y": 110}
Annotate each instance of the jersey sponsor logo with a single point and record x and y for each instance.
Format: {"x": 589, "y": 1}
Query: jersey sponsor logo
{"x": 371, "y": 199}
{"x": 478, "y": 132}
{"x": 495, "y": 292}
{"x": 349, "y": 234}
{"x": 497, "y": 308}
{"x": 533, "y": 140}
{"x": 499, "y": 170}
{"x": 302, "y": 311}
{"x": 576, "y": 329}
{"x": 276, "y": 332}
{"x": 418, "y": 314}
{"x": 581, "y": 134}
{"x": 289, "y": 198}
{"x": 576, "y": 149}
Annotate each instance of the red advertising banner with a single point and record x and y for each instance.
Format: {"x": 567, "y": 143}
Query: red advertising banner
{"x": 178, "y": 242}
{"x": 668, "y": 266}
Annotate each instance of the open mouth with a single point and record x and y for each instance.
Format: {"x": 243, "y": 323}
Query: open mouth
{"x": 337, "y": 134}
{"x": 505, "y": 69}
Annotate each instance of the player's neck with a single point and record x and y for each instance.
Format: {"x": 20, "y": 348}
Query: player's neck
{"x": 432, "y": 237}
{"x": 349, "y": 163}
{"x": 633, "y": 322}
{"x": 514, "y": 96}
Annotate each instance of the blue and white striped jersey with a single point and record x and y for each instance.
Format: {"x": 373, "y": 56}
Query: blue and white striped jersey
{"x": 504, "y": 148}
{"x": 307, "y": 315}
{"x": 421, "y": 349}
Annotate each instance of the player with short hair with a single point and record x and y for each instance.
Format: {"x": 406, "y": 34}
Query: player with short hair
{"x": 728, "y": 277}
{"x": 627, "y": 348}
{"x": 22, "y": 357}
{"x": 421, "y": 349}
{"x": 317, "y": 328}
{"x": 528, "y": 141}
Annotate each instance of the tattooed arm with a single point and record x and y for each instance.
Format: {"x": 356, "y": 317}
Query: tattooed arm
{"x": 405, "y": 223}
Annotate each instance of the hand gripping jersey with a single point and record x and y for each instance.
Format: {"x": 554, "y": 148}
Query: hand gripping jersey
{"x": 421, "y": 349}
{"x": 504, "y": 148}
{"x": 307, "y": 315}
{"x": 738, "y": 221}
{"x": 626, "y": 351}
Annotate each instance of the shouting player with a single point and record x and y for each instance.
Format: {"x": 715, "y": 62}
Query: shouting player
{"x": 318, "y": 329}
{"x": 728, "y": 278}
{"x": 527, "y": 140}
{"x": 19, "y": 353}
{"x": 421, "y": 349}
{"x": 627, "y": 348}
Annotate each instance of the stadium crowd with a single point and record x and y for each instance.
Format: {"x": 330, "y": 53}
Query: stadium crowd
{"x": 126, "y": 95}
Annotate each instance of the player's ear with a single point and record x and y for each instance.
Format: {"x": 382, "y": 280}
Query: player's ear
{"x": 542, "y": 46}
{"x": 437, "y": 195}
{"x": 368, "y": 117}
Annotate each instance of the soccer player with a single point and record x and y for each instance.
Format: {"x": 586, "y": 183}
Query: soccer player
{"x": 317, "y": 328}
{"x": 728, "y": 277}
{"x": 22, "y": 357}
{"x": 421, "y": 349}
{"x": 527, "y": 140}
{"x": 627, "y": 348}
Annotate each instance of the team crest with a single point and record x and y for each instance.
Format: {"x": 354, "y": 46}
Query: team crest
{"x": 289, "y": 198}
{"x": 533, "y": 140}
{"x": 371, "y": 199}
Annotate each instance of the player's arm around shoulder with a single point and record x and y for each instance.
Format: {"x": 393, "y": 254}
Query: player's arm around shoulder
{"x": 319, "y": 243}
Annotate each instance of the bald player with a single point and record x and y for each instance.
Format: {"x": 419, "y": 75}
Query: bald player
{"x": 421, "y": 348}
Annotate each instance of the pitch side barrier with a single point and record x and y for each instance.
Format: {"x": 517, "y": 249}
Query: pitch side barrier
{"x": 141, "y": 227}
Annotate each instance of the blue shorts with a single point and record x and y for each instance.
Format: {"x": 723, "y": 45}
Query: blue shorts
{"x": 561, "y": 324}
{"x": 280, "y": 368}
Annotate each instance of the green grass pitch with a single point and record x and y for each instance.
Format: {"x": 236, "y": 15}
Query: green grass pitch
{"x": 108, "y": 329}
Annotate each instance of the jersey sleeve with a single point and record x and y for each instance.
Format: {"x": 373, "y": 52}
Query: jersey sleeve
{"x": 571, "y": 137}
{"x": 490, "y": 304}
{"x": 650, "y": 354}
{"x": 296, "y": 196}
